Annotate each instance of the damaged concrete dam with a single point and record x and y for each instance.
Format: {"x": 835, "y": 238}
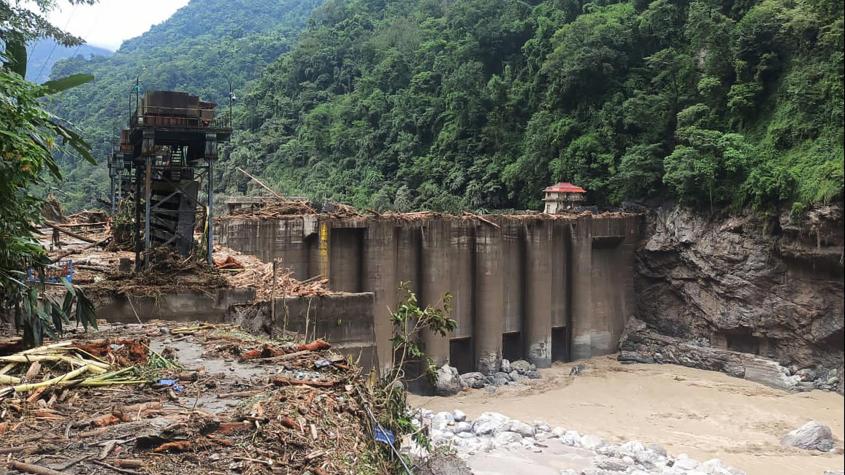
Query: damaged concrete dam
{"x": 541, "y": 287}
{"x": 756, "y": 299}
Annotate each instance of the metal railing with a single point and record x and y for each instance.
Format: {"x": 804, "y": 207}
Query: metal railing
{"x": 171, "y": 119}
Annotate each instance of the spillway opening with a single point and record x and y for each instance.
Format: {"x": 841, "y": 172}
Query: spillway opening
{"x": 461, "y": 354}
{"x": 512, "y": 348}
{"x": 560, "y": 344}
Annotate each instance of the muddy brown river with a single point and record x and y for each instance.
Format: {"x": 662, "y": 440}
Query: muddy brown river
{"x": 701, "y": 413}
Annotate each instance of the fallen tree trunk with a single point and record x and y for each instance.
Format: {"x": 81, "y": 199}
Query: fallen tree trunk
{"x": 285, "y": 381}
{"x": 70, "y": 233}
{"x": 85, "y": 248}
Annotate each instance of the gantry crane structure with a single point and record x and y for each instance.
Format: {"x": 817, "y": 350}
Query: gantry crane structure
{"x": 164, "y": 155}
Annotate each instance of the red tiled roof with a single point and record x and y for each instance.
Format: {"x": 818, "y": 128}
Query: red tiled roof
{"x": 565, "y": 187}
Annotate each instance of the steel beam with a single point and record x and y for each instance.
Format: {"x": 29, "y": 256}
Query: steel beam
{"x": 148, "y": 188}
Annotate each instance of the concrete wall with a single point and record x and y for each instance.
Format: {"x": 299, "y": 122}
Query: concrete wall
{"x": 548, "y": 287}
{"x": 344, "y": 319}
{"x": 285, "y": 239}
{"x": 182, "y": 307}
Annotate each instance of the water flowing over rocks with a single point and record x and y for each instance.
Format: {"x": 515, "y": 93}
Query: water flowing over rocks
{"x": 493, "y": 431}
{"x": 770, "y": 287}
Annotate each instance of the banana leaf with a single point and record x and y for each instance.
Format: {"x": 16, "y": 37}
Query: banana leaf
{"x": 58, "y": 85}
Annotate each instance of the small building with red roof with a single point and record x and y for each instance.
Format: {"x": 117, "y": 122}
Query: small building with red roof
{"x": 563, "y": 196}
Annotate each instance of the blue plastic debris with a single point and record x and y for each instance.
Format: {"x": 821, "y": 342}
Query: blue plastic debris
{"x": 170, "y": 383}
{"x": 384, "y": 436}
{"x": 53, "y": 273}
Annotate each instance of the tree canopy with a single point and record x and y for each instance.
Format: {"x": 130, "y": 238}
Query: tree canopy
{"x": 28, "y": 135}
{"x": 480, "y": 104}
{"x": 483, "y": 103}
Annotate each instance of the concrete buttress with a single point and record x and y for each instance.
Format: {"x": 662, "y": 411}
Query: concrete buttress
{"x": 538, "y": 292}
{"x": 462, "y": 274}
{"x": 436, "y": 282}
{"x": 380, "y": 276}
{"x": 582, "y": 288}
{"x": 489, "y": 299}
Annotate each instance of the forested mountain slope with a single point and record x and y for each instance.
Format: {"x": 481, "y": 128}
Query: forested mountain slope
{"x": 482, "y": 103}
{"x": 44, "y": 53}
{"x": 200, "y": 48}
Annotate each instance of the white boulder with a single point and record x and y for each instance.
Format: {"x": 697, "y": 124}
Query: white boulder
{"x": 811, "y": 436}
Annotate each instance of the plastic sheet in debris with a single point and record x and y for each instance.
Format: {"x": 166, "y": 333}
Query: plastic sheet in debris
{"x": 384, "y": 436}
{"x": 170, "y": 383}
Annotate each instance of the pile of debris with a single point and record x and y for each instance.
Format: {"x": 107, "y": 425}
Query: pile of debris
{"x": 99, "y": 270}
{"x": 274, "y": 208}
{"x": 96, "y": 363}
{"x": 88, "y": 218}
{"x": 271, "y": 208}
{"x": 167, "y": 271}
{"x": 188, "y": 399}
{"x": 247, "y": 271}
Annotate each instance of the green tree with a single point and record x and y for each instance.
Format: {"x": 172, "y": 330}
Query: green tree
{"x": 29, "y": 135}
{"x": 708, "y": 165}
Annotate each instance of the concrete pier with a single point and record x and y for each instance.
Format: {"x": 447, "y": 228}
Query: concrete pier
{"x": 489, "y": 299}
{"x": 538, "y": 292}
{"x": 436, "y": 275}
{"x": 539, "y": 287}
{"x": 582, "y": 288}
{"x": 380, "y": 278}
{"x": 462, "y": 272}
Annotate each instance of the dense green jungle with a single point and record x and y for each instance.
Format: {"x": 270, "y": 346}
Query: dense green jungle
{"x": 480, "y": 104}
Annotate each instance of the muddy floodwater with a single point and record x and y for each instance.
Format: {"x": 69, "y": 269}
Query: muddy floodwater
{"x": 701, "y": 413}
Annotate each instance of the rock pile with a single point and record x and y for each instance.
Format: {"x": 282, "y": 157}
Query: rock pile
{"x": 448, "y": 382}
{"x": 492, "y": 431}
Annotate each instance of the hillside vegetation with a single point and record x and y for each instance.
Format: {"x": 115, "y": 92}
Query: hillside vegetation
{"x": 198, "y": 50}
{"x": 482, "y": 103}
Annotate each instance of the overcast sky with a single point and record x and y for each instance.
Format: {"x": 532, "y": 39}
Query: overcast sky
{"x": 109, "y": 22}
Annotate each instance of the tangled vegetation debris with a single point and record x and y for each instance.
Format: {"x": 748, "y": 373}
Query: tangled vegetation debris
{"x": 247, "y": 271}
{"x": 176, "y": 400}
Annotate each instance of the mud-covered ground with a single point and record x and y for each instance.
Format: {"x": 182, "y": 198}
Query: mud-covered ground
{"x": 226, "y": 402}
{"x": 701, "y": 413}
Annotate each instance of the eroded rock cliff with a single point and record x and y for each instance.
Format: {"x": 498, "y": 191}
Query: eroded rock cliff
{"x": 771, "y": 287}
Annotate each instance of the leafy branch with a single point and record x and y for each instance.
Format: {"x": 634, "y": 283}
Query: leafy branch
{"x": 409, "y": 322}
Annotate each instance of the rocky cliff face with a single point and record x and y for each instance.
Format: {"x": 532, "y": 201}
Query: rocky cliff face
{"x": 771, "y": 287}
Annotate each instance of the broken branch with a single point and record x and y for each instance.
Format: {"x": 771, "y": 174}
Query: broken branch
{"x": 30, "y": 468}
{"x": 285, "y": 381}
{"x": 70, "y": 233}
